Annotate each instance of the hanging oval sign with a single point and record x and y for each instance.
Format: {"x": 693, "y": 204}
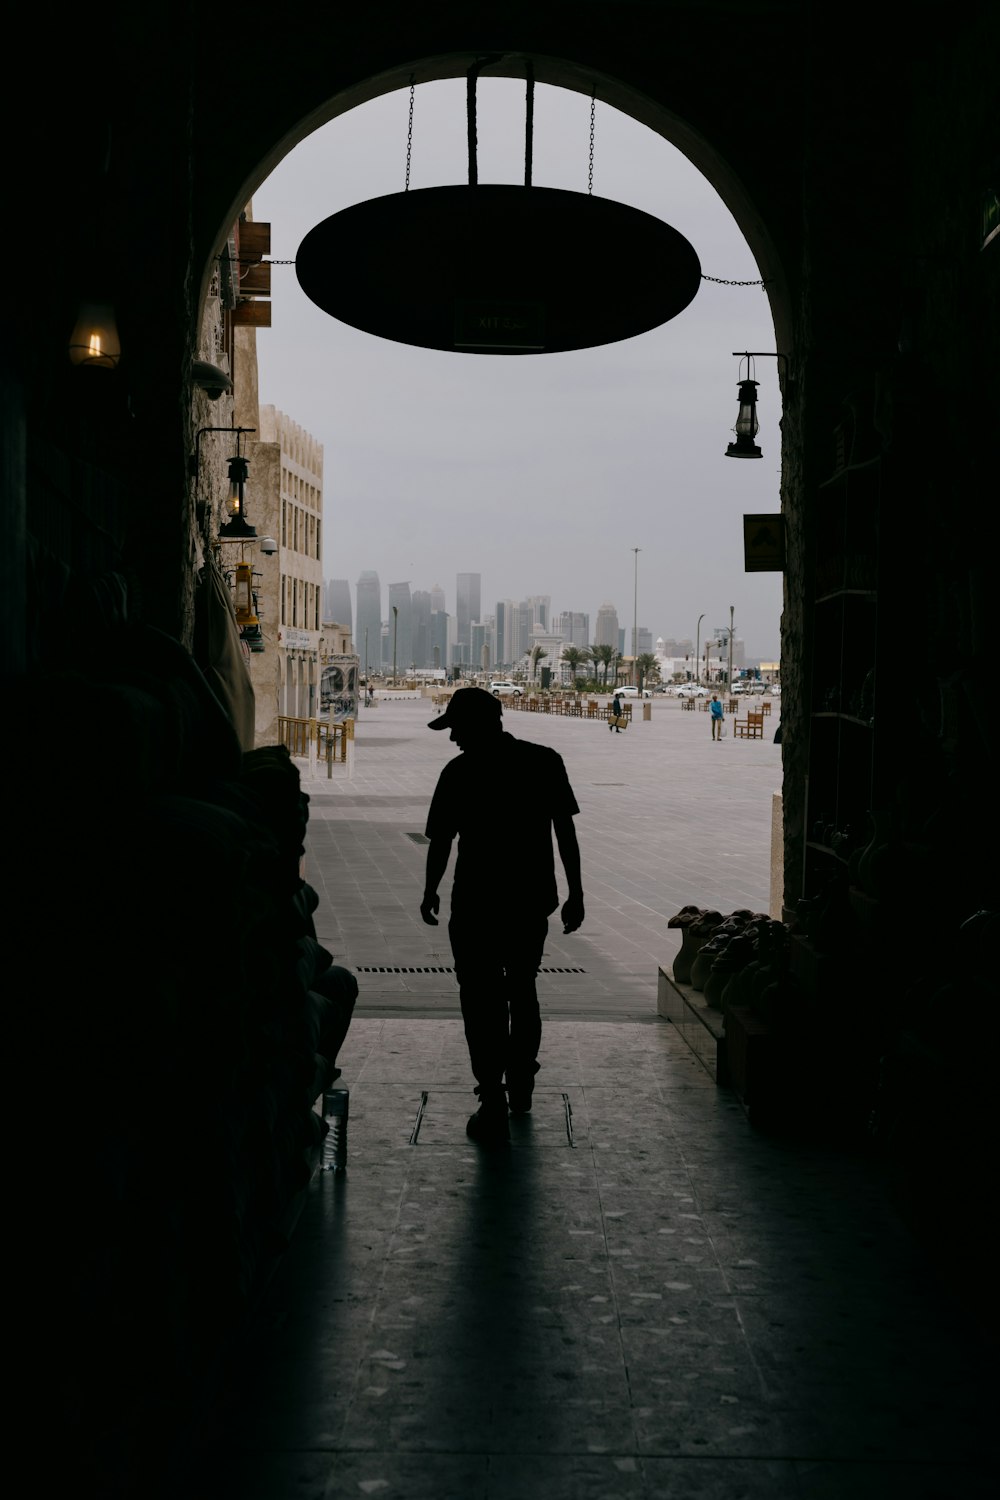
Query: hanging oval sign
{"x": 498, "y": 269}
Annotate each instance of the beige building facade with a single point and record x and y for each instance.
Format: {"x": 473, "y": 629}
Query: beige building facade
{"x": 286, "y": 675}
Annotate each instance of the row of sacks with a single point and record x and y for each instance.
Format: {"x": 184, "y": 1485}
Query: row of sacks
{"x": 738, "y": 959}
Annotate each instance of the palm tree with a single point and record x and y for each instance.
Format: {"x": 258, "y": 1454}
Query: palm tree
{"x": 604, "y": 655}
{"x": 575, "y": 657}
{"x": 645, "y": 665}
{"x": 538, "y": 653}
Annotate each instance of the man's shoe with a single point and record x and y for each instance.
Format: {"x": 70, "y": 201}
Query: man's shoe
{"x": 489, "y": 1125}
{"x": 519, "y": 1096}
{"x": 520, "y": 1086}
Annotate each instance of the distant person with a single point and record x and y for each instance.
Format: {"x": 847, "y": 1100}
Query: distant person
{"x": 617, "y": 708}
{"x": 716, "y": 711}
{"x": 503, "y": 893}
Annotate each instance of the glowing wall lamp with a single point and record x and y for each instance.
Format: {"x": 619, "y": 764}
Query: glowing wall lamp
{"x": 237, "y": 529}
{"x": 94, "y": 341}
{"x": 747, "y": 426}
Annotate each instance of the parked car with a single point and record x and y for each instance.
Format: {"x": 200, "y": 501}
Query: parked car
{"x": 633, "y": 692}
{"x": 500, "y": 689}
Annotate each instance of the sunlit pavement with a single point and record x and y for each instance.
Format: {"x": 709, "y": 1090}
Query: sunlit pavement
{"x": 641, "y": 1297}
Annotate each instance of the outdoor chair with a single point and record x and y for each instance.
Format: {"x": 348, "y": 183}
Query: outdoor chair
{"x": 750, "y": 728}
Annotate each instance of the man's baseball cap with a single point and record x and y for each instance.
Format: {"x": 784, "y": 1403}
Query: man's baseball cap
{"x": 468, "y": 708}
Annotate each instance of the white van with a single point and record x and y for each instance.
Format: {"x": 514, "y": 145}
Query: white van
{"x": 505, "y": 689}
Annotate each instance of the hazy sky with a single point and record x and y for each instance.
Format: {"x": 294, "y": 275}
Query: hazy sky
{"x": 540, "y": 472}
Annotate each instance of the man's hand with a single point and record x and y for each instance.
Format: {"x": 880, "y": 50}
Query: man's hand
{"x": 572, "y": 913}
{"x": 429, "y": 908}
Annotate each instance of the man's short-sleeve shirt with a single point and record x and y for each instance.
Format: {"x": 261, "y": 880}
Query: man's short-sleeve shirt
{"x": 500, "y": 804}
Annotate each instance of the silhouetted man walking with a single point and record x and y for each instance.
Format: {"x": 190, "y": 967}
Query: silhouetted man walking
{"x": 503, "y": 798}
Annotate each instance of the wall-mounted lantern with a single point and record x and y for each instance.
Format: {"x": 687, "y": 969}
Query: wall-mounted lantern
{"x": 747, "y": 426}
{"x": 243, "y": 598}
{"x": 237, "y": 528}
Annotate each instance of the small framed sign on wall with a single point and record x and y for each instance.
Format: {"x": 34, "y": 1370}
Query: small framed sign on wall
{"x": 764, "y": 544}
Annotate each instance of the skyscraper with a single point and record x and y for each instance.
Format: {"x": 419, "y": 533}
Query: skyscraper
{"x": 337, "y": 603}
{"x": 606, "y": 628}
{"x": 440, "y": 620}
{"x": 524, "y": 619}
{"x": 541, "y": 608}
{"x": 368, "y": 639}
{"x": 574, "y": 627}
{"x": 479, "y": 652}
{"x": 421, "y": 606}
{"x": 503, "y": 633}
{"x": 467, "y": 608}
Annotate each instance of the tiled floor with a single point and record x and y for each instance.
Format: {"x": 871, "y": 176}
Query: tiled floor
{"x": 641, "y": 1298}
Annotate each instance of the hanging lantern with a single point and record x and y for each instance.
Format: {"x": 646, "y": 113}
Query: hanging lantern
{"x": 246, "y": 615}
{"x": 498, "y": 268}
{"x": 746, "y": 423}
{"x": 237, "y": 527}
{"x": 237, "y": 479}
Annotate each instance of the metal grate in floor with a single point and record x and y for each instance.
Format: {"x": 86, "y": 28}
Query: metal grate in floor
{"x": 418, "y": 838}
{"x": 400, "y": 969}
{"x": 437, "y": 969}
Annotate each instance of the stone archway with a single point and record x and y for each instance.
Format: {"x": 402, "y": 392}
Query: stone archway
{"x": 719, "y": 171}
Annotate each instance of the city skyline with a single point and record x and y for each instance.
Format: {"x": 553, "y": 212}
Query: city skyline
{"x": 423, "y": 621}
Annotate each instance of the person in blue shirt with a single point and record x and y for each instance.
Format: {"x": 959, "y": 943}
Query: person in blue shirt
{"x": 716, "y": 714}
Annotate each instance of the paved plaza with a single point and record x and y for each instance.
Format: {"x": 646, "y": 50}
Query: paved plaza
{"x": 641, "y": 1298}
{"x": 667, "y": 818}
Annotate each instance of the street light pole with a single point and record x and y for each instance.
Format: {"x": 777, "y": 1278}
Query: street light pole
{"x": 732, "y": 611}
{"x": 697, "y": 649}
{"x": 635, "y": 621}
{"x": 395, "y": 617}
